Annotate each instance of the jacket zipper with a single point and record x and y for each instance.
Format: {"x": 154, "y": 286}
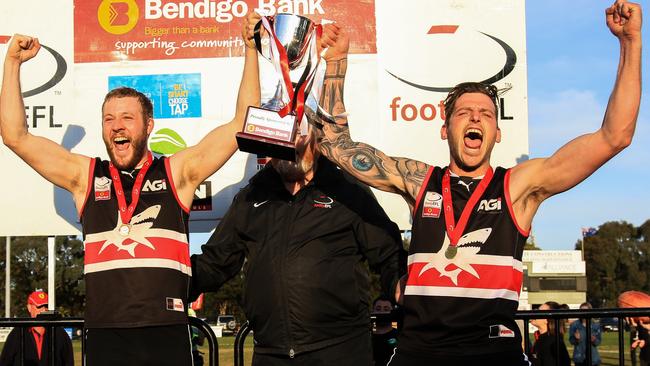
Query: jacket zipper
{"x": 285, "y": 247}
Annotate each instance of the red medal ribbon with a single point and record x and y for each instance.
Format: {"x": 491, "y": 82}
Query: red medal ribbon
{"x": 127, "y": 212}
{"x": 455, "y": 232}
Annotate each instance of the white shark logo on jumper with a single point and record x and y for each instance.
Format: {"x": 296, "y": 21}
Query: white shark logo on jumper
{"x": 139, "y": 225}
{"x": 468, "y": 247}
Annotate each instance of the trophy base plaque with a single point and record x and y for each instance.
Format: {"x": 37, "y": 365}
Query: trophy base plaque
{"x": 266, "y": 133}
{"x": 265, "y": 146}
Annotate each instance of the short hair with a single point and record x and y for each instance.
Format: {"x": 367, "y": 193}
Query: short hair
{"x": 470, "y": 87}
{"x": 124, "y": 91}
{"x": 586, "y": 305}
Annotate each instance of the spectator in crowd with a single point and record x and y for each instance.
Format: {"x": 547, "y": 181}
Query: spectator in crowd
{"x": 634, "y": 336}
{"x": 36, "y": 340}
{"x": 578, "y": 337}
{"x": 545, "y": 349}
{"x": 384, "y": 336}
{"x": 642, "y": 343}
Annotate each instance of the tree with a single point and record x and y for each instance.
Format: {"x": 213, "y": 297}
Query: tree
{"x": 29, "y": 272}
{"x": 618, "y": 260}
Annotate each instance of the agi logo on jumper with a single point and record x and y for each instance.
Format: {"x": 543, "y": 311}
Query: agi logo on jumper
{"x": 118, "y": 16}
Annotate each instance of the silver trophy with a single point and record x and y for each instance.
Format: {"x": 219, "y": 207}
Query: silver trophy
{"x": 293, "y": 49}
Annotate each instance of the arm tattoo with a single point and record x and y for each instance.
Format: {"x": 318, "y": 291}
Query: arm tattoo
{"x": 370, "y": 165}
{"x": 373, "y": 167}
{"x": 333, "y": 83}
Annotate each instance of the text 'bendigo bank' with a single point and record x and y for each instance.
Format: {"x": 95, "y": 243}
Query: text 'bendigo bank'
{"x": 225, "y": 10}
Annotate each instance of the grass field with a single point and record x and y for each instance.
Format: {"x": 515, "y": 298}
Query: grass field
{"x": 608, "y": 350}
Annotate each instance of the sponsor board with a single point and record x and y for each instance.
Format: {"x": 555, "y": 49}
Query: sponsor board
{"x": 398, "y": 64}
{"x": 172, "y": 95}
{"x": 118, "y": 30}
{"x": 39, "y": 208}
{"x": 203, "y": 197}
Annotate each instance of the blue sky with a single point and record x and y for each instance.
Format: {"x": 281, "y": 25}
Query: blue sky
{"x": 572, "y": 60}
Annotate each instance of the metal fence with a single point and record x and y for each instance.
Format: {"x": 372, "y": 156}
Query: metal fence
{"x": 589, "y": 315}
{"x": 51, "y": 320}
{"x": 553, "y": 315}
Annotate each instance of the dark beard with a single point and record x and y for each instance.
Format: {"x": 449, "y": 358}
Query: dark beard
{"x": 139, "y": 148}
{"x": 289, "y": 171}
{"x": 292, "y": 171}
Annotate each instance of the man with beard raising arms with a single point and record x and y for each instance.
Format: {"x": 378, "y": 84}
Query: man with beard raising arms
{"x": 134, "y": 211}
{"x": 470, "y": 221}
{"x": 304, "y": 231}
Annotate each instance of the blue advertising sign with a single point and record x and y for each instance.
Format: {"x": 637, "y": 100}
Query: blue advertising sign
{"x": 172, "y": 95}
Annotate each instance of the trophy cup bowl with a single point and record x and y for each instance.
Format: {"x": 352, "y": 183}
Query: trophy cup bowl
{"x": 293, "y": 32}
{"x": 266, "y": 130}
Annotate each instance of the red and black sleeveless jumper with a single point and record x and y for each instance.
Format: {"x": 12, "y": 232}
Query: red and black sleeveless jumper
{"x": 464, "y": 305}
{"x": 141, "y": 279}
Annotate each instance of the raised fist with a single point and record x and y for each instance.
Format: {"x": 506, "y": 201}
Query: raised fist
{"x": 22, "y": 48}
{"x": 624, "y": 20}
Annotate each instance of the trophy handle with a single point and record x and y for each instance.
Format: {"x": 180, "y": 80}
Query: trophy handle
{"x": 257, "y": 37}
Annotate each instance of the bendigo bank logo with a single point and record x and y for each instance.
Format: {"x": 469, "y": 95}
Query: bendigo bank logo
{"x": 118, "y": 16}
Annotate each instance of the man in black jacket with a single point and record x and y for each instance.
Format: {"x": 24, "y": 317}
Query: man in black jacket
{"x": 305, "y": 230}
{"x": 37, "y": 340}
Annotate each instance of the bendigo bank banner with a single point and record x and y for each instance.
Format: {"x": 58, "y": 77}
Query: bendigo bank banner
{"x": 120, "y": 30}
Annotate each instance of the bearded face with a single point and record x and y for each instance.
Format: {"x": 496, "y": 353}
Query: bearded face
{"x": 125, "y": 132}
{"x": 306, "y": 154}
{"x": 293, "y": 171}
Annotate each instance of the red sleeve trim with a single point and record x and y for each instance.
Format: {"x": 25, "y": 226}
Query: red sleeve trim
{"x": 506, "y": 193}
{"x": 423, "y": 188}
{"x": 91, "y": 175}
{"x": 168, "y": 169}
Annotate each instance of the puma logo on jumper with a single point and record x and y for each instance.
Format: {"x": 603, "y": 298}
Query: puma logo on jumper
{"x": 466, "y": 185}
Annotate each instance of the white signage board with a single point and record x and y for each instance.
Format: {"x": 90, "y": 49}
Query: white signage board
{"x": 404, "y": 58}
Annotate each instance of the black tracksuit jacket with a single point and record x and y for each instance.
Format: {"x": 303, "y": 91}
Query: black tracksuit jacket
{"x": 306, "y": 283}
{"x": 11, "y": 352}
